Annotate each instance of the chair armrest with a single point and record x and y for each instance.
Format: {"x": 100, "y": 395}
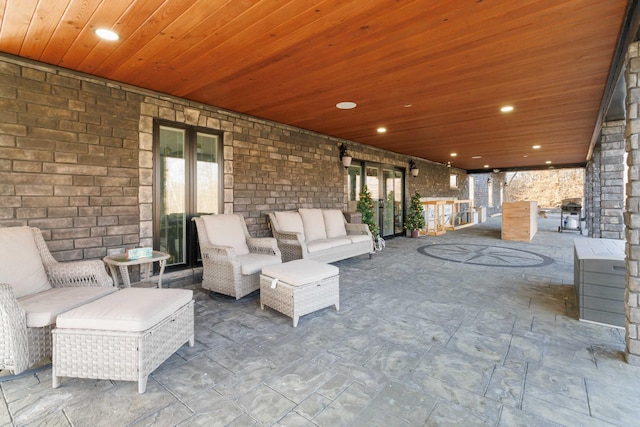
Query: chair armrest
{"x": 78, "y": 273}
{"x": 218, "y": 253}
{"x": 14, "y": 352}
{"x": 264, "y": 245}
{"x": 357, "y": 229}
{"x": 289, "y": 236}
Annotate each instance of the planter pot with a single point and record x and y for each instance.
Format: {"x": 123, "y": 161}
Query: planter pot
{"x": 415, "y": 233}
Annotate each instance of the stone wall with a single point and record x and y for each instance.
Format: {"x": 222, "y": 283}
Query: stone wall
{"x": 76, "y": 160}
{"x": 68, "y": 159}
{"x": 632, "y": 214}
{"x": 482, "y": 182}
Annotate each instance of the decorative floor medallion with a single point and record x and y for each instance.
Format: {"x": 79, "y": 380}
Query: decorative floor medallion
{"x": 485, "y": 255}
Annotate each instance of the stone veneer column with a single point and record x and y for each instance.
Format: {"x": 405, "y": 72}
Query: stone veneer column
{"x": 632, "y": 214}
{"x": 592, "y": 193}
{"x": 612, "y": 180}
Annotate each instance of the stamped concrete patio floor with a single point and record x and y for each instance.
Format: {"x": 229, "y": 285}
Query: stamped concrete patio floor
{"x": 457, "y": 329}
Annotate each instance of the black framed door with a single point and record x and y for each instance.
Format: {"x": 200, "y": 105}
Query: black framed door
{"x": 386, "y": 184}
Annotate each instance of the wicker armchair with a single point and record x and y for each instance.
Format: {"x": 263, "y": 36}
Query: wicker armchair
{"x": 22, "y": 346}
{"x": 231, "y": 258}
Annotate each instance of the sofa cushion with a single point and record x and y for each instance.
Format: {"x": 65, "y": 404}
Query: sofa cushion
{"x": 20, "y": 262}
{"x": 253, "y": 263}
{"x": 290, "y": 221}
{"x": 43, "y": 308}
{"x": 319, "y": 245}
{"x": 128, "y": 310}
{"x": 313, "y": 223}
{"x": 334, "y": 223}
{"x": 226, "y": 230}
{"x": 357, "y": 238}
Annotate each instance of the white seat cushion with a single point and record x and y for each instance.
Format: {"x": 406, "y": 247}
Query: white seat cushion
{"x": 313, "y": 223}
{"x": 128, "y": 310}
{"x": 226, "y": 230}
{"x": 43, "y": 308}
{"x": 357, "y": 238}
{"x": 20, "y": 262}
{"x": 334, "y": 223}
{"x": 301, "y": 271}
{"x": 319, "y": 245}
{"x": 290, "y": 221}
{"x": 253, "y": 263}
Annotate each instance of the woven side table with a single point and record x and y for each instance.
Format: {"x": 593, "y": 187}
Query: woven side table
{"x": 299, "y": 287}
{"x": 123, "y": 336}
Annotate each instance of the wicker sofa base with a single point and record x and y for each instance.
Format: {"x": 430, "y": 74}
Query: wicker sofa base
{"x": 297, "y": 300}
{"x": 127, "y": 356}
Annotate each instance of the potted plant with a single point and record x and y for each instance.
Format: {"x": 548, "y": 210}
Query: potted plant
{"x": 365, "y": 207}
{"x": 415, "y": 218}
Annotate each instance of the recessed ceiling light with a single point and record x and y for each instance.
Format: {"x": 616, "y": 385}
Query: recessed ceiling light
{"x": 346, "y": 105}
{"x": 476, "y": 157}
{"x": 536, "y": 147}
{"x": 407, "y": 105}
{"x": 486, "y": 166}
{"x": 105, "y": 34}
{"x": 382, "y": 130}
{"x": 548, "y": 162}
{"x": 507, "y": 109}
{"x": 526, "y": 155}
{"x": 454, "y": 154}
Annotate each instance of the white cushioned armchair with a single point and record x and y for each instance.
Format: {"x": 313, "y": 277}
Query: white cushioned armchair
{"x": 232, "y": 260}
{"x": 34, "y": 290}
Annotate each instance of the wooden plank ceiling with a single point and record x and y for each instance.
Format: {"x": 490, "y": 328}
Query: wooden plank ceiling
{"x": 434, "y": 73}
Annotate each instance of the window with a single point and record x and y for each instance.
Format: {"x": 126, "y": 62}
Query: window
{"x": 489, "y": 193}
{"x": 187, "y": 182}
{"x": 453, "y": 181}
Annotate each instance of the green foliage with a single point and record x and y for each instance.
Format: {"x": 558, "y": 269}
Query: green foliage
{"x": 365, "y": 207}
{"x": 415, "y": 218}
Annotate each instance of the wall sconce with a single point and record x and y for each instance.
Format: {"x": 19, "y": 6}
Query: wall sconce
{"x": 413, "y": 168}
{"x": 345, "y": 156}
{"x": 489, "y": 181}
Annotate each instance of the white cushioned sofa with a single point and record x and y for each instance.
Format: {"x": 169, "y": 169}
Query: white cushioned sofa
{"x": 319, "y": 234}
{"x": 34, "y": 290}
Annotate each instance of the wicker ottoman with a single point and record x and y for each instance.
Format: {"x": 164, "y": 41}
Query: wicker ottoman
{"x": 122, "y": 336}
{"x": 299, "y": 287}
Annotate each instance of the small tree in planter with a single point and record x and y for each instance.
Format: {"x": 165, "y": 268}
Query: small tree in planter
{"x": 365, "y": 207}
{"x": 415, "y": 218}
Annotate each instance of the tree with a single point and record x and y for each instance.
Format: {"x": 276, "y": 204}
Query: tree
{"x": 415, "y": 218}
{"x": 365, "y": 207}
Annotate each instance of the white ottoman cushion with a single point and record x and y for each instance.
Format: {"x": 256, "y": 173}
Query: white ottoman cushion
{"x": 128, "y": 310}
{"x": 301, "y": 271}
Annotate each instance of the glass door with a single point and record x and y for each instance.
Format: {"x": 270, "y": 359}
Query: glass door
{"x": 187, "y": 183}
{"x": 392, "y": 219}
{"x": 373, "y": 184}
{"x": 386, "y": 185}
